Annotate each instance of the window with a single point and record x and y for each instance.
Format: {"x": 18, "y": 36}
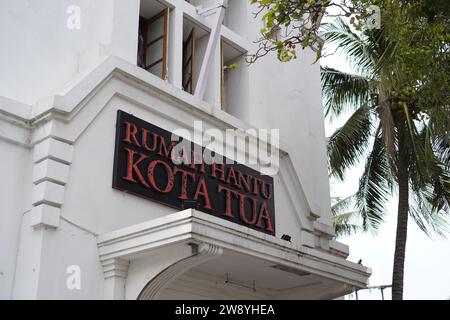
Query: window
{"x": 189, "y": 62}
{"x": 234, "y": 80}
{"x": 153, "y": 43}
{"x": 195, "y": 40}
{"x": 225, "y": 80}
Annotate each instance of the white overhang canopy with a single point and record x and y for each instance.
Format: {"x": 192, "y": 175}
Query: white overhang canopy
{"x": 239, "y": 256}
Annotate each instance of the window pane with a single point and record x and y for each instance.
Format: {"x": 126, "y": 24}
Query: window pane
{"x": 155, "y": 29}
{"x": 188, "y": 48}
{"x": 154, "y": 52}
{"x": 156, "y": 70}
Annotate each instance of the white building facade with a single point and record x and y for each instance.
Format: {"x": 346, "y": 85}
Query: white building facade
{"x": 68, "y": 67}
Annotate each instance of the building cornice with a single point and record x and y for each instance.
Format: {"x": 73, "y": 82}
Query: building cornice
{"x": 191, "y": 226}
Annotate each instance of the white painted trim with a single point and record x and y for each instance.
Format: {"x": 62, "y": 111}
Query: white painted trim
{"x": 191, "y": 226}
{"x": 15, "y": 108}
{"x": 115, "y": 272}
{"x": 202, "y": 253}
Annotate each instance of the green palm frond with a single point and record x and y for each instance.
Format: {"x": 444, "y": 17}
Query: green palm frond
{"x": 428, "y": 218}
{"x": 382, "y": 50}
{"x": 340, "y": 205}
{"x": 354, "y": 46}
{"x": 374, "y": 185}
{"x": 343, "y": 226}
{"x": 430, "y": 176}
{"x": 345, "y": 220}
{"x": 441, "y": 147}
{"x": 440, "y": 195}
{"x": 347, "y": 145}
{"x": 343, "y": 91}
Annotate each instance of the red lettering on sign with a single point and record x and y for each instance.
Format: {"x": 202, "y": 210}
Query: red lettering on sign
{"x": 132, "y": 167}
{"x": 202, "y": 190}
{"x": 184, "y": 177}
{"x": 244, "y": 181}
{"x": 264, "y": 215}
{"x": 145, "y": 164}
{"x": 164, "y": 151}
{"x": 218, "y": 168}
{"x": 242, "y": 212}
{"x": 266, "y": 193}
{"x": 231, "y": 177}
{"x": 197, "y": 159}
{"x": 228, "y": 193}
{"x": 256, "y": 181}
{"x": 151, "y": 176}
{"x": 130, "y": 133}
{"x": 145, "y": 133}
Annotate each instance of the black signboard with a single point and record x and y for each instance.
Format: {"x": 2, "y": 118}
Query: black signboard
{"x": 144, "y": 166}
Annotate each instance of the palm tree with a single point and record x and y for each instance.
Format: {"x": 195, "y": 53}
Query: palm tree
{"x": 345, "y": 218}
{"x": 405, "y": 142}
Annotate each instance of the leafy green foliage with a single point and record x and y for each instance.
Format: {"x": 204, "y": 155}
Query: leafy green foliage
{"x": 399, "y": 85}
{"x": 299, "y": 23}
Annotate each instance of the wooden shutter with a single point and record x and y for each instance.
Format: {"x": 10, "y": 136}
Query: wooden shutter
{"x": 156, "y": 37}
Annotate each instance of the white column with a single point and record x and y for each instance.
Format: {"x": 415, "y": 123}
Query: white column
{"x": 216, "y": 77}
{"x": 115, "y": 272}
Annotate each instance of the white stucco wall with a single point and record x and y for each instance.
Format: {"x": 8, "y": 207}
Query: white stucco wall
{"x": 42, "y": 57}
{"x": 286, "y": 96}
{"x": 15, "y": 196}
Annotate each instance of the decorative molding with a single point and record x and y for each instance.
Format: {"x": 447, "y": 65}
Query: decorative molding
{"x": 201, "y": 254}
{"x": 14, "y": 129}
{"x": 49, "y": 193}
{"x": 15, "y": 109}
{"x": 191, "y": 226}
{"x": 50, "y": 170}
{"x": 339, "y": 249}
{"x": 52, "y": 159}
{"x": 115, "y": 272}
{"x": 115, "y": 268}
{"x": 324, "y": 230}
{"x": 295, "y": 192}
{"x": 51, "y": 148}
{"x": 44, "y": 215}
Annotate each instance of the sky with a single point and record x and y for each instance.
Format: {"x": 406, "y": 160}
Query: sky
{"x": 427, "y": 265}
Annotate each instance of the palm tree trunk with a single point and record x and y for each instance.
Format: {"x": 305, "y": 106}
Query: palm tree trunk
{"x": 402, "y": 229}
